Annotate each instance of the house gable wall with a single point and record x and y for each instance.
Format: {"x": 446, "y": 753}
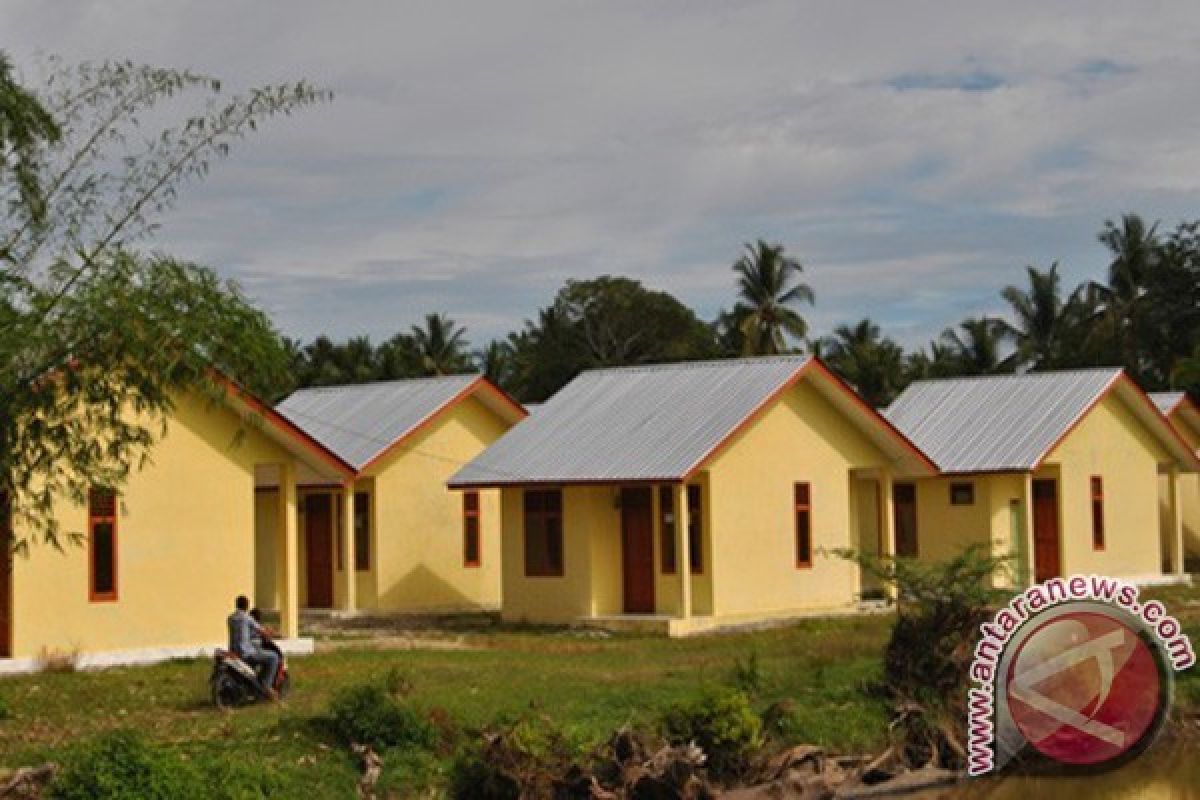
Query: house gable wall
{"x": 185, "y": 546}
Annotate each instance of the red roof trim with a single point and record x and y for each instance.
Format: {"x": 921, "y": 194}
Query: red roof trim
{"x": 813, "y": 363}
{"x": 481, "y": 383}
{"x": 284, "y": 425}
{"x": 1118, "y": 380}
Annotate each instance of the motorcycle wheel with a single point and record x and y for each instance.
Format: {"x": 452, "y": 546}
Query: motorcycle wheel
{"x": 226, "y": 692}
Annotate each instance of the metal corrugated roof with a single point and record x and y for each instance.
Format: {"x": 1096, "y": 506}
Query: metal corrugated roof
{"x": 631, "y": 423}
{"x": 361, "y": 421}
{"x": 1166, "y": 401}
{"x": 996, "y": 423}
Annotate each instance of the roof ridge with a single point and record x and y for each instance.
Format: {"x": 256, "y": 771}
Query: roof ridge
{"x": 781, "y": 358}
{"x": 341, "y": 387}
{"x": 1050, "y": 373}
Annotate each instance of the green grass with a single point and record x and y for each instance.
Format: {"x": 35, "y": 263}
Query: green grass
{"x": 589, "y": 686}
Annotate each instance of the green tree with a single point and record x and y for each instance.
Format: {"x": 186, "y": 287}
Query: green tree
{"x": 868, "y": 361}
{"x": 769, "y": 286}
{"x": 497, "y": 363}
{"x": 90, "y": 330}
{"x": 441, "y": 345}
{"x": 977, "y": 348}
{"x": 25, "y": 128}
{"x": 604, "y": 322}
{"x": 1047, "y": 328}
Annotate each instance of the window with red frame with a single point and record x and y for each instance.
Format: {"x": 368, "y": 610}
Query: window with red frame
{"x": 802, "y": 497}
{"x": 102, "y": 545}
{"x": 472, "y": 557}
{"x": 1097, "y": 512}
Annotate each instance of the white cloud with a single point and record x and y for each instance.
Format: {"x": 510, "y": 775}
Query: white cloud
{"x": 913, "y": 154}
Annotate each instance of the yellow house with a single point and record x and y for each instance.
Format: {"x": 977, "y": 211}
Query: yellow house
{"x": 409, "y": 543}
{"x": 163, "y": 557}
{"x": 684, "y": 497}
{"x": 1183, "y": 413}
{"x": 1060, "y": 470}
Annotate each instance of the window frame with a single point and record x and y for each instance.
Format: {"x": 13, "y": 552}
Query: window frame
{"x": 802, "y": 510}
{"x": 362, "y": 546}
{"x": 695, "y": 503}
{"x": 667, "y": 552}
{"x": 543, "y": 515}
{"x": 472, "y": 514}
{"x": 94, "y": 518}
{"x": 1096, "y": 496}
{"x": 968, "y": 487}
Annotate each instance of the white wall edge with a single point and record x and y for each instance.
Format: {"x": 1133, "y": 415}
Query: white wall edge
{"x": 144, "y": 656}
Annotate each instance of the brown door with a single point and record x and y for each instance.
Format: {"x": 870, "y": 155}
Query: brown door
{"x": 318, "y": 550}
{"x": 1045, "y": 531}
{"x": 637, "y": 550}
{"x": 5, "y": 579}
{"x": 904, "y": 507}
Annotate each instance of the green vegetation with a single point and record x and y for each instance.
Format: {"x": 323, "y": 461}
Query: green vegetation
{"x": 589, "y": 686}
{"x": 89, "y": 327}
{"x": 722, "y": 723}
{"x": 546, "y": 697}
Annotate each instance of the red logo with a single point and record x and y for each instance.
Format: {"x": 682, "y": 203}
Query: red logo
{"x": 1084, "y": 688}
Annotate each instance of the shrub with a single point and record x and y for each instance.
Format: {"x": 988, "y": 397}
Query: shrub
{"x": 369, "y": 715}
{"x": 397, "y": 682}
{"x": 747, "y": 674}
{"x": 926, "y": 663}
{"x": 523, "y": 757}
{"x": 722, "y": 723}
{"x": 121, "y": 766}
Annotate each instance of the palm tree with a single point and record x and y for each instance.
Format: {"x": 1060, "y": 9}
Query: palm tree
{"x": 441, "y": 345}
{"x": 769, "y": 284}
{"x": 868, "y": 361}
{"x": 978, "y": 349}
{"x": 1045, "y": 324}
{"x": 1135, "y": 251}
{"x": 496, "y": 362}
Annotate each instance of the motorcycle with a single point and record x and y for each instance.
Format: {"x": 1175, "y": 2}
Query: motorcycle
{"x": 234, "y": 683}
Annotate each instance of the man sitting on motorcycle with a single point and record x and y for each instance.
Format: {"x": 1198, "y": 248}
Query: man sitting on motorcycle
{"x": 245, "y": 637}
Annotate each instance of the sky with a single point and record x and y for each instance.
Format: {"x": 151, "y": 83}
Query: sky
{"x": 914, "y": 156}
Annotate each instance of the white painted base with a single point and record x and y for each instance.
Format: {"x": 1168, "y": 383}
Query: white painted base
{"x": 146, "y": 655}
{"x": 1162, "y": 579}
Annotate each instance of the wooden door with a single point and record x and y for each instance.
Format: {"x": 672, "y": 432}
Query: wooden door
{"x": 637, "y": 550}
{"x": 318, "y": 550}
{"x": 5, "y": 579}
{"x": 1045, "y": 531}
{"x": 904, "y": 509}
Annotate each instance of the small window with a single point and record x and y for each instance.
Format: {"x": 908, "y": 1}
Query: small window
{"x": 102, "y": 545}
{"x": 362, "y": 532}
{"x": 962, "y": 494}
{"x": 666, "y": 510}
{"x": 1097, "y": 512}
{"x": 802, "y": 497}
{"x": 340, "y": 523}
{"x": 471, "y": 546}
{"x": 695, "y": 531}
{"x": 543, "y": 533}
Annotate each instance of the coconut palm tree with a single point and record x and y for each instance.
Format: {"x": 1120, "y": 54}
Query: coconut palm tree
{"x": 868, "y": 361}
{"x": 1135, "y": 251}
{"x": 769, "y": 285}
{"x": 441, "y": 345}
{"x": 977, "y": 350}
{"x": 1048, "y": 329}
